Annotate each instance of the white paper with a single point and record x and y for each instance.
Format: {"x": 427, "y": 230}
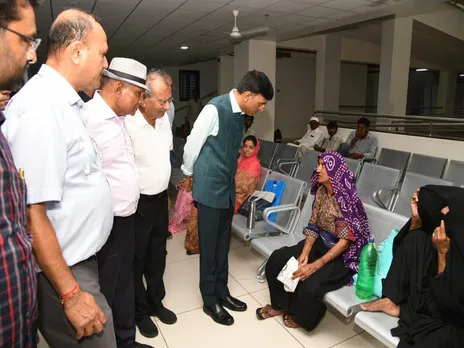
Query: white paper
{"x": 286, "y": 275}
{"x": 267, "y": 196}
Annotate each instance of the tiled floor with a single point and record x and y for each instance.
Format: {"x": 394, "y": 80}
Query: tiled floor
{"x": 196, "y": 330}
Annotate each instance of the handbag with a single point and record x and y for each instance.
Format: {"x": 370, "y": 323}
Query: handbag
{"x": 263, "y": 200}
{"x": 277, "y": 187}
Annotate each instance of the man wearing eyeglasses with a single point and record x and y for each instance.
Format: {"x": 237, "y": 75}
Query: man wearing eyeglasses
{"x": 151, "y": 135}
{"x": 18, "y": 304}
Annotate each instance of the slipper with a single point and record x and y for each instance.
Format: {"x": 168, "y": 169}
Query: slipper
{"x": 259, "y": 313}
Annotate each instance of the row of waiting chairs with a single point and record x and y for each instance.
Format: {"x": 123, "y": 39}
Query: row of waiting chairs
{"x": 435, "y": 167}
{"x": 383, "y": 183}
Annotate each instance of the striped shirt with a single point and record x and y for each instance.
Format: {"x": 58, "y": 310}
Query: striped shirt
{"x": 18, "y": 307}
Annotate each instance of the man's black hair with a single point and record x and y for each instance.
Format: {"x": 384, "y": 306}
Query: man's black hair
{"x": 364, "y": 121}
{"x": 332, "y": 124}
{"x": 256, "y": 82}
{"x": 9, "y": 10}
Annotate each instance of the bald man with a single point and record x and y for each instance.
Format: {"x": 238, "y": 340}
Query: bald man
{"x": 70, "y": 206}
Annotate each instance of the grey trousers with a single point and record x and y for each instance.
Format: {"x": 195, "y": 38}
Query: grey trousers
{"x": 52, "y": 321}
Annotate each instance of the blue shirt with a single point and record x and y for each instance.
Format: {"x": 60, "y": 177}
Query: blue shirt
{"x": 366, "y": 146}
{"x": 48, "y": 139}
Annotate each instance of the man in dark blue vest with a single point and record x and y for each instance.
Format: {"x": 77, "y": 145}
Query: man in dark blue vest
{"x": 210, "y": 155}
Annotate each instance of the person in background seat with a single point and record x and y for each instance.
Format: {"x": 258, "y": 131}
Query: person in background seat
{"x": 333, "y": 142}
{"x": 361, "y": 142}
{"x": 315, "y": 136}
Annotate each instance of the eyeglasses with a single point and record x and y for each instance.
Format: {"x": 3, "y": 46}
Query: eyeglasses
{"x": 163, "y": 102}
{"x": 34, "y": 43}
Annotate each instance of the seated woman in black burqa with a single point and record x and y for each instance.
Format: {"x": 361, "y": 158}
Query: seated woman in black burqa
{"x": 425, "y": 284}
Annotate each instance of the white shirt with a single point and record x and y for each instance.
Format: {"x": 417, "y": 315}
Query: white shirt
{"x": 152, "y": 146}
{"x": 312, "y": 137}
{"x": 48, "y": 139}
{"x": 171, "y": 113}
{"x": 207, "y": 124}
{"x": 332, "y": 144}
{"x": 114, "y": 146}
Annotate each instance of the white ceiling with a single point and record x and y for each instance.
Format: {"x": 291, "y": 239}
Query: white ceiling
{"x": 153, "y": 30}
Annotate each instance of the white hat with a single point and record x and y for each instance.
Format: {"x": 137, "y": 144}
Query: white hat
{"x": 129, "y": 71}
{"x": 314, "y": 118}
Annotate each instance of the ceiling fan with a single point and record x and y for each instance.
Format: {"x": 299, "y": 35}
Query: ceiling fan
{"x": 236, "y": 35}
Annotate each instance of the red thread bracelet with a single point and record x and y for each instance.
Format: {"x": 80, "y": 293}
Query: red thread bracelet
{"x": 69, "y": 294}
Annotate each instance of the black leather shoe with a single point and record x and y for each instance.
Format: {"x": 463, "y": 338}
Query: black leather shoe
{"x": 233, "y": 304}
{"x": 147, "y": 327}
{"x": 165, "y": 315}
{"x": 219, "y": 314}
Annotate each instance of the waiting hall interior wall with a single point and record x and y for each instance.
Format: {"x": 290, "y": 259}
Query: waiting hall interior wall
{"x": 208, "y": 84}
{"x": 296, "y": 86}
{"x": 353, "y": 50}
{"x": 295, "y": 89}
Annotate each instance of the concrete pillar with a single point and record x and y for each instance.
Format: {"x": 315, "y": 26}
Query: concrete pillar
{"x": 225, "y": 74}
{"x": 259, "y": 55}
{"x": 447, "y": 92}
{"x": 394, "y": 66}
{"x": 328, "y": 63}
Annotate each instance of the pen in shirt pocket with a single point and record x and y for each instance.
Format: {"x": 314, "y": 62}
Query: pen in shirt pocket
{"x": 23, "y": 179}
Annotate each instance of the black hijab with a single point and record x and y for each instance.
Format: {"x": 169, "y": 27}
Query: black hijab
{"x": 447, "y": 287}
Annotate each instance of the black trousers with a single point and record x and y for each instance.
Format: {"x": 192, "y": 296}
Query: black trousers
{"x": 116, "y": 275}
{"x": 151, "y": 229}
{"x": 214, "y": 228}
{"x": 305, "y": 304}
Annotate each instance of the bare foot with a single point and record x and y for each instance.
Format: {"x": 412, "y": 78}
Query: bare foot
{"x": 383, "y": 305}
{"x": 267, "y": 312}
{"x": 289, "y": 322}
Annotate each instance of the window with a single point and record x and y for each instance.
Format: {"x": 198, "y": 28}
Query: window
{"x": 189, "y": 80}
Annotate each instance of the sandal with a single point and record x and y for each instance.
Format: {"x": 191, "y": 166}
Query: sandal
{"x": 263, "y": 312}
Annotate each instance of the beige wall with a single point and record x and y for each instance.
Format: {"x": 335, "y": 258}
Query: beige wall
{"x": 446, "y": 18}
{"x": 296, "y": 83}
{"x": 208, "y": 83}
{"x": 225, "y": 74}
{"x": 352, "y": 50}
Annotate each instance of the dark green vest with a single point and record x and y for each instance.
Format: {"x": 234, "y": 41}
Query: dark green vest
{"x": 215, "y": 168}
